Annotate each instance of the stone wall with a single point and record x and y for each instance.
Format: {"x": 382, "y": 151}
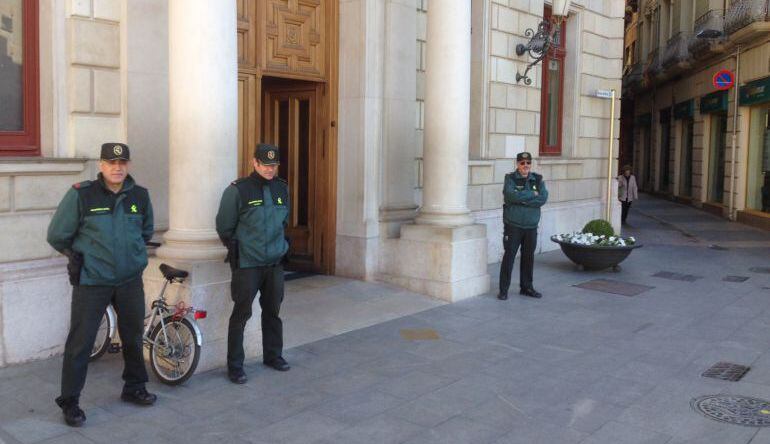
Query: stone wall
{"x": 576, "y": 180}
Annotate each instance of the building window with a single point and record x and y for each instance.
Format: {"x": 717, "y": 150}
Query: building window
{"x": 552, "y": 93}
{"x": 19, "y": 103}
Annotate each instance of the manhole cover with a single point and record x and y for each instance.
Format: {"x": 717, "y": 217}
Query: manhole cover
{"x": 419, "y": 334}
{"x": 765, "y": 270}
{"x": 735, "y": 278}
{"x": 676, "y": 276}
{"x": 726, "y": 371}
{"x": 733, "y": 409}
{"x": 614, "y": 287}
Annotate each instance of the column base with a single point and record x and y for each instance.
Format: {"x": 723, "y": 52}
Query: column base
{"x": 444, "y": 219}
{"x": 448, "y": 263}
{"x": 206, "y": 288}
{"x": 191, "y": 245}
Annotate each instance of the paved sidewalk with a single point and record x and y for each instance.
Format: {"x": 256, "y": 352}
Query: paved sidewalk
{"x": 578, "y": 366}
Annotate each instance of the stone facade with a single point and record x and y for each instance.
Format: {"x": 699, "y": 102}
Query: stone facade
{"x": 105, "y": 72}
{"x": 677, "y": 78}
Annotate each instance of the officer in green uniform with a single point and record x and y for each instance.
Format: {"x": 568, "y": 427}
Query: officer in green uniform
{"x": 524, "y": 193}
{"x": 102, "y": 226}
{"x": 252, "y": 215}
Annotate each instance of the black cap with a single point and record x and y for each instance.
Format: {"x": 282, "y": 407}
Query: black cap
{"x": 115, "y": 151}
{"x": 267, "y": 154}
{"x": 523, "y": 156}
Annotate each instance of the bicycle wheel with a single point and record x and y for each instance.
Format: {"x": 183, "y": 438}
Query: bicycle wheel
{"x": 174, "y": 356}
{"x": 102, "y": 342}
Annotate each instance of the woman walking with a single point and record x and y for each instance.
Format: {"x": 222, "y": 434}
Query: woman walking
{"x": 627, "y": 191}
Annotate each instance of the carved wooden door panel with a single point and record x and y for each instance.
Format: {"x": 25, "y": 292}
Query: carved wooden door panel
{"x": 294, "y": 37}
{"x": 290, "y": 122}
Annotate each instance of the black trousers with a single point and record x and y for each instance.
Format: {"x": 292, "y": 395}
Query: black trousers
{"x": 625, "y": 206}
{"x": 88, "y": 306}
{"x": 513, "y": 237}
{"x": 268, "y": 281}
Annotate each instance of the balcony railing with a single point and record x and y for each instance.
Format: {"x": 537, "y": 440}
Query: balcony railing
{"x": 653, "y": 67}
{"x": 676, "y": 50}
{"x": 742, "y": 13}
{"x": 633, "y": 76}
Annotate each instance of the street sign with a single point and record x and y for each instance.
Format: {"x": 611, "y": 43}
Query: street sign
{"x": 604, "y": 93}
{"x": 723, "y": 79}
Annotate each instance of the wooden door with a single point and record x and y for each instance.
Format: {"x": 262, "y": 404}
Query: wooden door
{"x": 287, "y": 88}
{"x": 290, "y": 121}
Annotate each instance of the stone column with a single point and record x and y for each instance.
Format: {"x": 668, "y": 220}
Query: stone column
{"x": 203, "y": 123}
{"x": 444, "y": 254}
{"x": 203, "y": 128}
{"x": 447, "y": 115}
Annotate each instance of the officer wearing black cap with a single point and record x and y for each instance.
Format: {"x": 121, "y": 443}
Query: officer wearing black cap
{"x": 101, "y": 226}
{"x": 252, "y": 215}
{"x": 524, "y": 193}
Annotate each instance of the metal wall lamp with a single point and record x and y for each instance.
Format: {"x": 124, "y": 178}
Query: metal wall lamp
{"x": 540, "y": 42}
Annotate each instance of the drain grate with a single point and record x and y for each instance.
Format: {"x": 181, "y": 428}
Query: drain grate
{"x": 735, "y": 278}
{"x": 614, "y": 287}
{"x": 676, "y": 276}
{"x": 419, "y": 334}
{"x": 765, "y": 270}
{"x": 733, "y": 409}
{"x": 726, "y": 371}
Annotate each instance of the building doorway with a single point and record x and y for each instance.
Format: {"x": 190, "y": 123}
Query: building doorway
{"x": 665, "y": 150}
{"x": 290, "y": 121}
{"x": 287, "y": 96}
{"x": 718, "y": 139}
{"x": 685, "y": 159}
{"x": 758, "y": 181}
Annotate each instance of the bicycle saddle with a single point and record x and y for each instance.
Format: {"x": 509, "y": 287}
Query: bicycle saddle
{"x": 170, "y": 272}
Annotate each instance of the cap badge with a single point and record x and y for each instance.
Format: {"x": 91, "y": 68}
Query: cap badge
{"x": 271, "y": 154}
{"x": 117, "y": 149}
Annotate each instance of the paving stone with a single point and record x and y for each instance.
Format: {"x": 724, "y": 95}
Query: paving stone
{"x": 382, "y": 429}
{"x": 618, "y": 433}
{"x": 457, "y": 430}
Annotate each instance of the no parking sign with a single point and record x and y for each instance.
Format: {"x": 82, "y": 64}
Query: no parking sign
{"x": 723, "y": 79}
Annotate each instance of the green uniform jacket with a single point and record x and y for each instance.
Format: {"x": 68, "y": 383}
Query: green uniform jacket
{"x": 108, "y": 229}
{"x": 523, "y": 197}
{"x": 255, "y": 211}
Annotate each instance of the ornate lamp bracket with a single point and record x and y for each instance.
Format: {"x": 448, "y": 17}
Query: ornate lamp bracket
{"x": 537, "y": 47}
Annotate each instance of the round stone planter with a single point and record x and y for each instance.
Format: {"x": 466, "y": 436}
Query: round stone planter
{"x": 591, "y": 257}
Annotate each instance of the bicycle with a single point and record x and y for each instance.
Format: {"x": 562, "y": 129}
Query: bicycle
{"x": 171, "y": 334}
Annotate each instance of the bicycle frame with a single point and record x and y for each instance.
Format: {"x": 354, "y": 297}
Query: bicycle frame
{"x": 160, "y": 310}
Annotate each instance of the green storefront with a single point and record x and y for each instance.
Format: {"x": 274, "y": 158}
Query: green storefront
{"x": 756, "y": 94}
{"x": 714, "y": 108}
{"x": 684, "y": 112}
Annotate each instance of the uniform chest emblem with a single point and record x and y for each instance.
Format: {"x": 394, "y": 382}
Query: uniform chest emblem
{"x": 280, "y": 202}
{"x": 134, "y": 209}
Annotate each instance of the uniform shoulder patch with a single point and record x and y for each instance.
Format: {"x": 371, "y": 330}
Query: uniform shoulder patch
{"x": 83, "y": 184}
{"x": 238, "y": 180}
{"x": 281, "y": 179}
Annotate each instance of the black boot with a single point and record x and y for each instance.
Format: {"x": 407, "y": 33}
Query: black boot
{"x": 139, "y": 397}
{"x": 73, "y": 416}
{"x": 531, "y": 292}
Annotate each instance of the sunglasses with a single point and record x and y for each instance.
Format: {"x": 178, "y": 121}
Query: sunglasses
{"x": 525, "y": 162}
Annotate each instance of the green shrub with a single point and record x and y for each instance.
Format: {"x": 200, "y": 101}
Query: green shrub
{"x": 599, "y": 227}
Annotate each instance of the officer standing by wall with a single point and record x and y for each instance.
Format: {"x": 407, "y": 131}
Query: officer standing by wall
{"x": 252, "y": 215}
{"x": 102, "y": 227}
{"x": 524, "y": 193}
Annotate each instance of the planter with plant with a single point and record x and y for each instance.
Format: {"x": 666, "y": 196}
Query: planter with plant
{"x": 597, "y": 247}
